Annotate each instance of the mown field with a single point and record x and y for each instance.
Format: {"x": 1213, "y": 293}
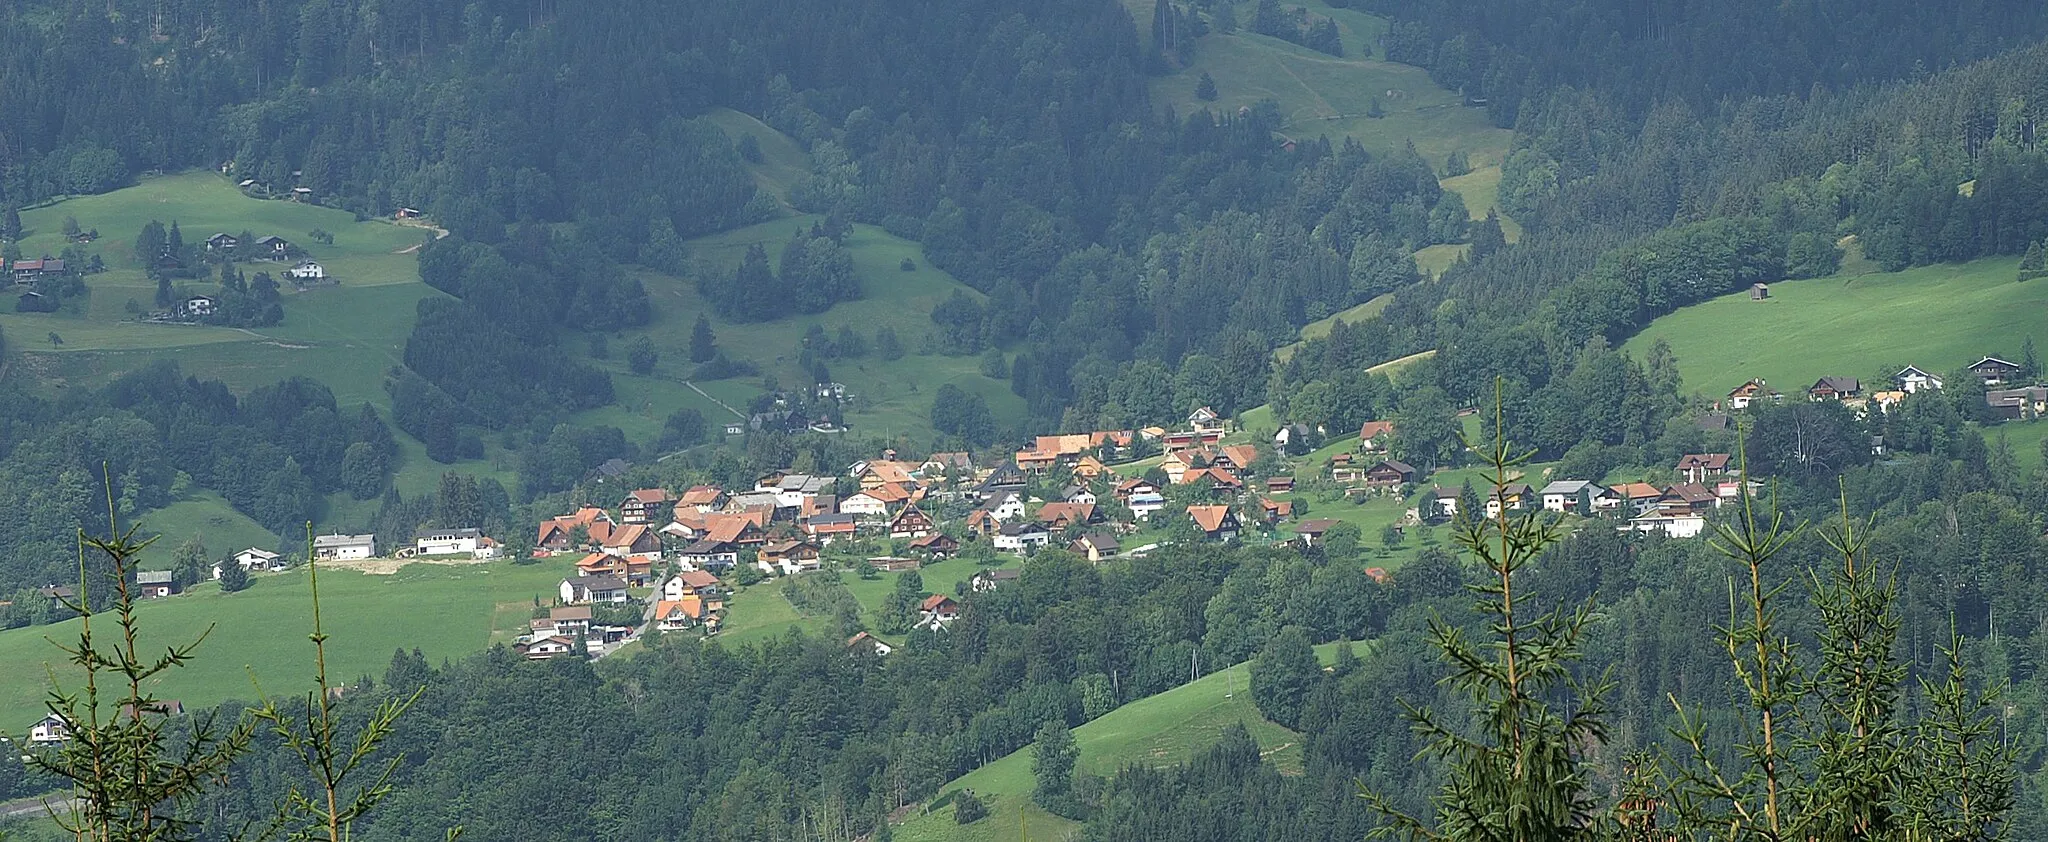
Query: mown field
{"x": 1156, "y": 731}
{"x": 1868, "y": 325}
{"x": 446, "y": 611}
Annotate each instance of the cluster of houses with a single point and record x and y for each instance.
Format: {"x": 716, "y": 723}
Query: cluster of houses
{"x": 786, "y": 521}
{"x": 2006, "y": 394}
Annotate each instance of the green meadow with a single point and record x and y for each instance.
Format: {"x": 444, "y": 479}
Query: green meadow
{"x": 259, "y": 634}
{"x": 763, "y": 611}
{"x": 1865, "y": 325}
{"x": 1157, "y": 731}
{"x": 893, "y": 397}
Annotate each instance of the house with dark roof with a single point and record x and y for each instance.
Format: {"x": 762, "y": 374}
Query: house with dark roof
{"x": 1699, "y": 467}
{"x": 1020, "y": 537}
{"x": 988, "y": 580}
{"x": 1389, "y": 473}
{"x": 155, "y": 584}
{"x": 1834, "y": 388}
{"x": 586, "y": 589}
{"x": 1911, "y": 379}
{"x": 645, "y": 505}
{"x": 937, "y": 545}
{"x": 1994, "y": 371}
{"x": 1311, "y": 531}
{"x": 1096, "y": 546}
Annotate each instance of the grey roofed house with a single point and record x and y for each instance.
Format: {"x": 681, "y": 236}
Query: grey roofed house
{"x": 613, "y": 468}
{"x": 831, "y": 519}
{"x": 446, "y": 534}
{"x": 707, "y": 547}
{"x": 1568, "y": 487}
{"x": 1022, "y": 528}
{"x": 804, "y": 483}
{"x": 1713, "y": 422}
{"x": 750, "y": 499}
{"x": 154, "y": 577}
{"x": 1100, "y": 541}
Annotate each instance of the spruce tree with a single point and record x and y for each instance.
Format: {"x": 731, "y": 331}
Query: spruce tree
{"x": 10, "y": 226}
{"x": 703, "y": 343}
{"x": 1205, "y": 88}
{"x": 233, "y": 576}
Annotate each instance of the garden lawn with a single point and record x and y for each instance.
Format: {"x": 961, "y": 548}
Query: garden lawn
{"x": 446, "y": 611}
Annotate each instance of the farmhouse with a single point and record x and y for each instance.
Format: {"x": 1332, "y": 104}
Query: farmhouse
{"x": 222, "y": 242}
{"x": 644, "y": 505}
{"x": 1698, "y": 467}
{"x": 2013, "y": 404}
{"x": 1388, "y": 473}
{"x": 788, "y": 557}
{"x": 50, "y": 730}
{"x": 1057, "y": 516}
{"x": 700, "y": 499}
{"x": 1834, "y": 388}
{"x": 1994, "y": 371}
{"x": 1514, "y": 496}
{"x": 450, "y": 542}
{"x": 1311, "y": 531}
{"x": 864, "y": 643}
{"x": 255, "y": 560}
{"x": 938, "y": 610}
{"x": 198, "y": 307}
{"x": 28, "y": 271}
{"x": 155, "y": 584}
{"x": 275, "y": 248}
{"x": 344, "y": 547}
{"x": 1218, "y": 523}
{"x": 555, "y": 532}
{"x": 1911, "y": 379}
{"x": 1755, "y": 390}
{"x": 988, "y": 580}
{"x": 936, "y": 545}
{"x": 1374, "y": 435}
{"x": 306, "y": 271}
{"x": 912, "y": 522}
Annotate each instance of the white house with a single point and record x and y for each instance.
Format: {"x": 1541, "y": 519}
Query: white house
{"x": 254, "y": 561}
{"x": 581, "y": 589}
{"x": 1018, "y": 537}
{"x": 1911, "y": 379}
{"x": 53, "y": 729}
{"x": 549, "y": 647}
{"x": 1144, "y": 504}
{"x": 307, "y": 270}
{"x": 343, "y": 547}
{"x": 449, "y": 542}
{"x": 1676, "y": 526}
{"x": 1563, "y": 495}
{"x": 199, "y": 306}
{"x": 865, "y": 506}
{"x": 1009, "y": 508}
{"x": 1077, "y": 494}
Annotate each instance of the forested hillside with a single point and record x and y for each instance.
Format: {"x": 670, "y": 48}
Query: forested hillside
{"x": 1130, "y": 262}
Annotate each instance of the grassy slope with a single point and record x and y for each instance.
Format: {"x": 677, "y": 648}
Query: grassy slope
{"x": 262, "y": 630}
{"x": 345, "y": 336}
{"x": 895, "y": 396}
{"x": 1156, "y": 731}
{"x": 762, "y": 612}
{"x": 782, "y": 162}
{"x": 1937, "y": 317}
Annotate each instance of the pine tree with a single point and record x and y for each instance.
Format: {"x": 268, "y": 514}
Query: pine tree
{"x": 233, "y": 576}
{"x": 2034, "y": 262}
{"x": 2030, "y": 362}
{"x": 10, "y": 225}
{"x": 703, "y": 343}
{"x": 1205, "y": 88}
